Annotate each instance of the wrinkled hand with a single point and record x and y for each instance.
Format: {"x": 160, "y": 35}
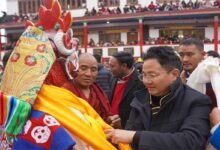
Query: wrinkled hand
{"x": 114, "y": 121}
{"x": 117, "y": 136}
{"x": 215, "y": 116}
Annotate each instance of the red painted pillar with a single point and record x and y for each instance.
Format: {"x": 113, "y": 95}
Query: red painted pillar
{"x": 85, "y": 33}
{"x": 141, "y": 35}
{"x": 216, "y": 33}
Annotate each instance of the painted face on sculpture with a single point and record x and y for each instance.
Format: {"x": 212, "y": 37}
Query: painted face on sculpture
{"x": 65, "y": 42}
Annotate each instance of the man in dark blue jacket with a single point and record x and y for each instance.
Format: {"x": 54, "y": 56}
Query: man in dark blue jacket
{"x": 167, "y": 115}
{"x": 104, "y": 76}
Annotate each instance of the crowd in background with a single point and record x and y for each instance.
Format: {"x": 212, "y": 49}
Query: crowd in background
{"x": 166, "y": 6}
{"x": 17, "y": 18}
{"x": 149, "y": 41}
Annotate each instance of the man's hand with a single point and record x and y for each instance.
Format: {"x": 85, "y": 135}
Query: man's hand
{"x": 117, "y": 136}
{"x": 114, "y": 121}
{"x": 215, "y": 116}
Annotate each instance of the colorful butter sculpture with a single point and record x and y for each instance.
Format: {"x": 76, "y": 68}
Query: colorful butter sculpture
{"x": 23, "y": 77}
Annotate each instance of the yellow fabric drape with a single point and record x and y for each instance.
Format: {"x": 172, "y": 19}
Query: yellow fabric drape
{"x": 58, "y": 103}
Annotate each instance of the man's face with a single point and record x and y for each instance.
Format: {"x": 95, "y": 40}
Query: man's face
{"x": 190, "y": 56}
{"x": 116, "y": 67}
{"x": 156, "y": 78}
{"x": 87, "y": 71}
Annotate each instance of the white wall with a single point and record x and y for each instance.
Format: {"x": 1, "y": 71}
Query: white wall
{"x": 153, "y": 33}
{"x": 78, "y": 13}
{"x": 122, "y": 4}
{"x": 92, "y": 3}
{"x": 209, "y": 33}
{"x": 3, "y": 6}
{"x": 145, "y": 2}
{"x": 12, "y": 7}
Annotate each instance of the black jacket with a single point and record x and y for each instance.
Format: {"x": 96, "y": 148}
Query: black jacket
{"x": 181, "y": 124}
{"x": 134, "y": 84}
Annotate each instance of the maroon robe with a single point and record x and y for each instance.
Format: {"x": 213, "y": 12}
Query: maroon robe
{"x": 97, "y": 98}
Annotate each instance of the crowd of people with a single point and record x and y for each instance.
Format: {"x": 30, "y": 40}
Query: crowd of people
{"x": 155, "y": 7}
{"x": 149, "y": 41}
{"x": 17, "y": 18}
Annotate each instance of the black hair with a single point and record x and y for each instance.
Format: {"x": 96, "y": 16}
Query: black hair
{"x": 97, "y": 57}
{"x": 193, "y": 41}
{"x": 165, "y": 55}
{"x": 213, "y": 54}
{"x": 124, "y": 58}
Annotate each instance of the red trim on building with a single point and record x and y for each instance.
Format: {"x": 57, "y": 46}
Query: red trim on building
{"x": 216, "y": 33}
{"x": 141, "y": 35}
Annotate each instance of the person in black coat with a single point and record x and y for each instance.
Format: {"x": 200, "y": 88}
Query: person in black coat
{"x": 168, "y": 114}
{"x": 123, "y": 85}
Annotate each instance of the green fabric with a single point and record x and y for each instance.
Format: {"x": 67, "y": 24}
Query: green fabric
{"x": 19, "y": 118}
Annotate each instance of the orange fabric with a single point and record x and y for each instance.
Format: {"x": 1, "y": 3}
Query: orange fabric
{"x": 51, "y": 98}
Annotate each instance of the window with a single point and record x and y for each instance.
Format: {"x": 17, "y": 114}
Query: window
{"x": 182, "y": 33}
{"x": 81, "y": 40}
{"x": 38, "y": 4}
{"x": 129, "y": 50}
{"x": 73, "y": 4}
{"x": 111, "y": 51}
{"x": 34, "y": 7}
{"x": 109, "y": 39}
{"x": 63, "y": 4}
{"x": 132, "y": 38}
{"x": 108, "y": 3}
{"x": 20, "y": 7}
{"x": 28, "y": 6}
{"x": 132, "y": 2}
{"x": 97, "y": 51}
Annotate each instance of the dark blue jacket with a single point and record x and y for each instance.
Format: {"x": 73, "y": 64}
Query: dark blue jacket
{"x": 182, "y": 123}
{"x": 104, "y": 78}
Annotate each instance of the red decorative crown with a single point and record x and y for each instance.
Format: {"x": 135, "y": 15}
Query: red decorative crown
{"x": 50, "y": 17}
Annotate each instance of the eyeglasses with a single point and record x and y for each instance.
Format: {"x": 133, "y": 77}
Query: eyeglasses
{"x": 153, "y": 75}
{"x": 149, "y": 77}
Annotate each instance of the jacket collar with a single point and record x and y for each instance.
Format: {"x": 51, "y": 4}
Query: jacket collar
{"x": 143, "y": 95}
